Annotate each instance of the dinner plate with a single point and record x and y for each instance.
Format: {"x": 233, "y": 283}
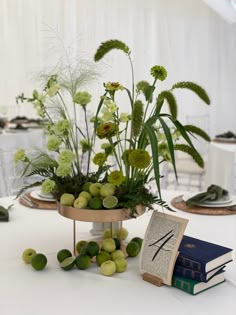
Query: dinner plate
{"x": 226, "y": 139}
{"x": 37, "y": 194}
{"x": 221, "y": 205}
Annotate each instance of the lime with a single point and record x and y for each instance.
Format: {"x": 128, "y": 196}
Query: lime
{"x": 122, "y": 233}
{"x": 63, "y": 254}
{"x": 83, "y": 262}
{"x": 110, "y": 202}
{"x": 86, "y": 195}
{"x": 133, "y": 249}
{"x": 107, "y": 190}
{"x": 117, "y": 242}
{"x": 80, "y": 245}
{"x": 92, "y": 249}
{"x": 39, "y": 261}
{"x": 86, "y": 186}
{"x": 101, "y": 257}
{"x": 68, "y": 263}
{"x": 138, "y": 240}
{"x": 121, "y": 264}
{"x": 95, "y": 203}
{"x": 83, "y": 250}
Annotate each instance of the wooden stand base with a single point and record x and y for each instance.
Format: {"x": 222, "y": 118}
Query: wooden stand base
{"x": 152, "y": 279}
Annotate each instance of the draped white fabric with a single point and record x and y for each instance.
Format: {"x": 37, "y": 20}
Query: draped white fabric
{"x": 186, "y": 37}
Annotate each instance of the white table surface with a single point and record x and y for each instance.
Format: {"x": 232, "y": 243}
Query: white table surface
{"x": 24, "y": 291}
{"x": 221, "y": 164}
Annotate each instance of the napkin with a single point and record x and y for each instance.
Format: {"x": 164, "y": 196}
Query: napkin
{"x": 227, "y": 135}
{"x": 213, "y": 193}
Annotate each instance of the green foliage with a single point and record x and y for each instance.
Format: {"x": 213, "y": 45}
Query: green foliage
{"x": 194, "y": 88}
{"x": 109, "y": 45}
{"x": 192, "y": 152}
{"x": 197, "y": 131}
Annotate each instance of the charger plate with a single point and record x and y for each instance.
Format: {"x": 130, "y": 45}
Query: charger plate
{"x": 46, "y": 205}
{"x": 180, "y": 204}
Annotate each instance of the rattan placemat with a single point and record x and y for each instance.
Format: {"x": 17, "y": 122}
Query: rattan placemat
{"x": 181, "y": 205}
{"x": 46, "y": 205}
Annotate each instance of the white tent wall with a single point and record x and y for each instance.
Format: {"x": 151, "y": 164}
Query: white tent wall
{"x": 187, "y": 37}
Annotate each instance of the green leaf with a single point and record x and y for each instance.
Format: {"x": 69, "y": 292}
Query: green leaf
{"x": 154, "y": 146}
{"x": 194, "y": 88}
{"x": 182, "y": 131}
{"x": 169, "y": 142}
{"x": 109, "y": 45}
{"x": 198, "y": 131}
{"x": 192, "y": 152}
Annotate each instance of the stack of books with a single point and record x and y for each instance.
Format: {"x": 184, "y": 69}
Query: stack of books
{"x": 200, "y": 265}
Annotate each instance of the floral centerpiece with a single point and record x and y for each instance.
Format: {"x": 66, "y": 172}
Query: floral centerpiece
{"x": 112, "y": 159}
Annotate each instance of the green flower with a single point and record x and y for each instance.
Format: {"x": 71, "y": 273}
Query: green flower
{"x": 82, "y": 98}
{"x": 116, "y": 178}
{"x": 139, "y": 158}
{"x": 107, "y": 148}
{"x": 64, "y": 170}
{"x": 52, "y": 91}
{"x": 113, "y": 86}
{"x": 66, "y": 156}
{"x": 20, "y": 156}
{"x": 62, "y": 127}
{"x": 125, "y": 156}
{"x": 107, "y": 130}
{"x": 100, "y": 158}
{"x": 48, "y": 186}
{"x": 53, "y": 143}
{"x": 107, "y": 115}
{"x": 164, "y": 151}
{"x": 142, "y": 86}
{"x": 111, "y": 106}
{"x": 124, "y": 117}
{"x": 159, "y": 73}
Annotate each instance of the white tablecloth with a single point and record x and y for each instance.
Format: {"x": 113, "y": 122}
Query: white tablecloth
{"x": 221, "y": 164}
{"x": 24, "y": 291}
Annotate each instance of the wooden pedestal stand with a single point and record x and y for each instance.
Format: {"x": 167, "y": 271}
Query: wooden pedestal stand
{"x": 152, "y": 279}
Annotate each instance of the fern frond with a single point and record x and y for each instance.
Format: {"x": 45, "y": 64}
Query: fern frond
{"x": 198, "y": 131}
{"x": 192, "y": 152}
{"x": 169, "y": 97}
{"x": 194, "y": 88}
{"x": 109, "y": 45}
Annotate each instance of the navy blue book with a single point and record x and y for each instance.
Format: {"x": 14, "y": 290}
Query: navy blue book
{"x": 202, "y": 256}
{"x": 194, "y": 274}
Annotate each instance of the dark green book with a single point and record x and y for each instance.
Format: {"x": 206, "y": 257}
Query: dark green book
{"x": 194, "y": 287}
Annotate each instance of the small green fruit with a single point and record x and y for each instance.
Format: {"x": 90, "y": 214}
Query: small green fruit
{"x": 133, "y": 249}
{"x": 83, "y": 262}
{"x": 28, "y": 254}
{"x": 81, "y": 203}
{"x": 67, "y": 199}
{"x": 138, "y": 240}
{"x": 63, "y": 254}
{"x": 108, "y": 268}
{"x": 121, "y": 264}
{"x": 108, "y": 245}
{"x": 122, "y": 233}
{"x": 68, "y": 263}
{"x": 80, "y": 245}
{"x": 102, "y": 257}
{"x": 117, "y": 254}
{"x": 117, "y": 241}
{"x": 86, "y": 186}
{"x": 94, "y": 189}
{"x": 86, "y": 195}
{"x": 107, "y": 190}
{"x": 39, "y": 261}
{"x": 95, "y": 203}
{"x": 92, "y": 249}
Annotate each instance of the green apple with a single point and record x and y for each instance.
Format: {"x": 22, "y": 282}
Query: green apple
{"x": 86, "y": 195}
{"x": 117, "y": 254}
{"x": 95, "y": 188}
{"x": 102, "y": 257}
{"x": 28, "y": 254}
{"x": 121, "y": 264}
{"x": 67, "y": 199}
{"x": 108, "y": 245}
{"x": 107, "y": 190}
{"x": 81, "y": 202}
{"x": 122, "y": 233}
{"x": 108, "y": 268}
